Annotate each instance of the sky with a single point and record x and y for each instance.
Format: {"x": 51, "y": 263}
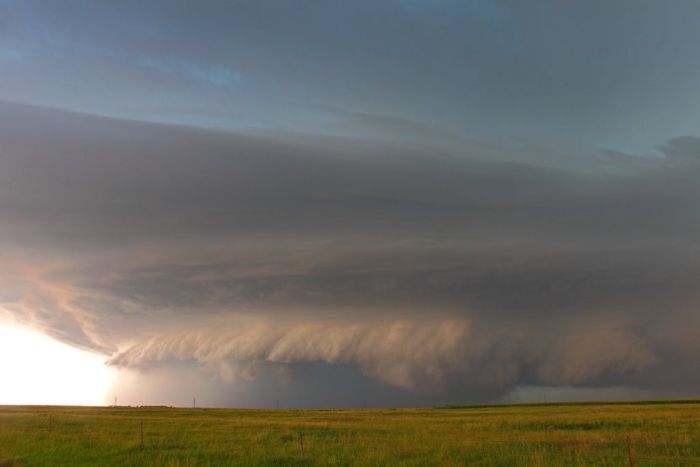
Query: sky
{"x": 367, "y": 203}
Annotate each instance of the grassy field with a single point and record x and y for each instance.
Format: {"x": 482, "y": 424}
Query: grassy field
{"x": 660, "y": 433}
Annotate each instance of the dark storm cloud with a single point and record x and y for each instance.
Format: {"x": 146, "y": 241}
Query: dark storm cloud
{"x": 426, "y": 271}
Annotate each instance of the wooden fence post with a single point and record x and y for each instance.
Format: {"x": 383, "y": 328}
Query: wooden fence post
{"x": 629, "y": 452}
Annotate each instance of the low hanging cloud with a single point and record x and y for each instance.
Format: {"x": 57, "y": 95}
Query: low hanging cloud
{"x": 466, "y": 274}
{"x": 402, "y": 353}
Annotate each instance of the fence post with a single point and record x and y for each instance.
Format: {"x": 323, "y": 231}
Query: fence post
{"x": 629, "y": 452}
{"x": 141, "y": 434}
{"x": 301, "y": 441}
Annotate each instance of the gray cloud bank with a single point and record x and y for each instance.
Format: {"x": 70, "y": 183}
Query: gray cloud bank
{"x": 618, "y": 75}
{"x": 459, "y": 275}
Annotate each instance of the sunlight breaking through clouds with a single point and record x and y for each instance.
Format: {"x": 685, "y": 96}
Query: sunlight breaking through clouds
{"x": 35, "y": 369}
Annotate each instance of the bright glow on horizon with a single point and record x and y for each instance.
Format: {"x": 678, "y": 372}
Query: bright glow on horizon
{"x": 38, "y": 370}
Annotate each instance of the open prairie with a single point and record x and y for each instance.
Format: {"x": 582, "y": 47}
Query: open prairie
{"x": 642, "y": 433}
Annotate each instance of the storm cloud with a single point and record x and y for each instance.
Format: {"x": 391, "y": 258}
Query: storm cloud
{"x": 382, "y": 202}
{"x": 462, "y": 276}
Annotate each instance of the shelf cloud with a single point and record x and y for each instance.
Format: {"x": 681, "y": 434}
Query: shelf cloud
{"x": 452, "y": 275}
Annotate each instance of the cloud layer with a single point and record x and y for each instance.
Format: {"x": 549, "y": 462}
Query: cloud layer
{"x": 461, "y": 275}
{"x": 615, "y": 75}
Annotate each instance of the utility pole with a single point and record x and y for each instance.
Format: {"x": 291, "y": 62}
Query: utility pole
{"x": 194, "y": 402}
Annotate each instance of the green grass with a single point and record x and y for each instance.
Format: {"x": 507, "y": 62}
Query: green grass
{"x": 660, "y": 433}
